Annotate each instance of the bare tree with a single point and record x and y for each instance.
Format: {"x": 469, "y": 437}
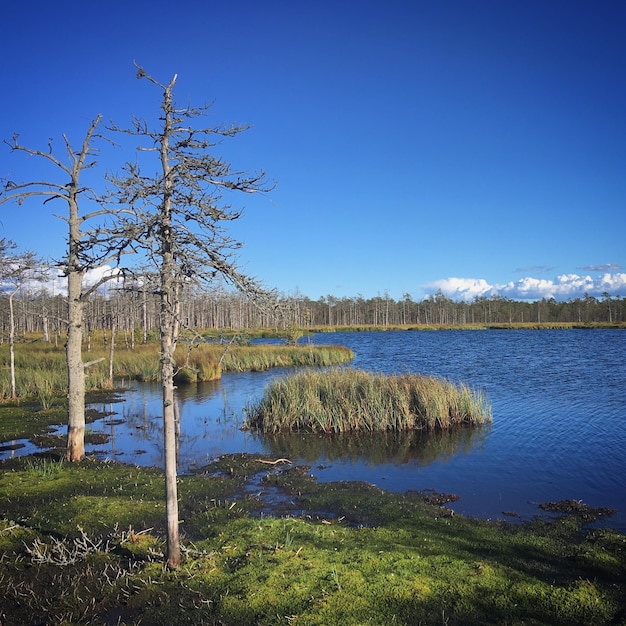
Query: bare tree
{"x": 88, "y": 248}
{"x": 15, "y": 269}
{"x": 180, "y": 211}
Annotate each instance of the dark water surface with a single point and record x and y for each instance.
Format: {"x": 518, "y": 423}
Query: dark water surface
{"x": 559, "y": 427}
{"x": 559, "y": 409}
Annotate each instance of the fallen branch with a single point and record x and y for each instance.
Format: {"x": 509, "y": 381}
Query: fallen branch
{"x": 273, "y": 462}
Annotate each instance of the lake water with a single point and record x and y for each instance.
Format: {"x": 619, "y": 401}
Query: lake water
{"x": 558, "y": 432}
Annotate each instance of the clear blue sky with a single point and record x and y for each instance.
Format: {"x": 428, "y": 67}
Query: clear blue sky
{"x": 476, "y": 146}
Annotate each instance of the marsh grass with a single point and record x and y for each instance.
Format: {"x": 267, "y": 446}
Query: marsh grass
{"x": 263, "y": 357}
{"x": 41, "y": 371}
{"x": 345, "y": 400}
{"x": 43, "y": 467}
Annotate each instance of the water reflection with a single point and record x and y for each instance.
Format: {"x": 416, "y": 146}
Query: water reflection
{"x": 211, "y": 416}
{"x": 416, "y": 448}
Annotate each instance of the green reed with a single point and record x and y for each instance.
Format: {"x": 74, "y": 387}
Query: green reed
{"x": 263, "y": 357}
{"x": 346, "y": 400}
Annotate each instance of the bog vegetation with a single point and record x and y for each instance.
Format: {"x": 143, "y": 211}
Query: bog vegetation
{"x": 41, "y": 371}
{"x": 83, "y": 543}
{"x": 340, "y": 401}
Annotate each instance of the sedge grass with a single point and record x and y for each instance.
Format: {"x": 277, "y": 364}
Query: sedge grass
{"x": 338, "y": 401}
{"x": 41, "y": 370}
{"x": 264, "y": 357}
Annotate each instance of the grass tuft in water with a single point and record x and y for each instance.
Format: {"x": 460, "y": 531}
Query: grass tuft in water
{"x": 340, "y": 401}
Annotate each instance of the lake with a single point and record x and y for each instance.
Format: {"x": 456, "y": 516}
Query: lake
{"x": 558, "y": 432}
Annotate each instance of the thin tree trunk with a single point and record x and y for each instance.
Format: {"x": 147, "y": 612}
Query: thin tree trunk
{"x": 144, "y": 306}
{"x": 169, "y": 336}
{"x": 168, "y": 346}
{"x": 75, "y": 371}
{"x": 111, "y": 350}
{"x": 46, "y": 333}
{"x": 12, "y": 345}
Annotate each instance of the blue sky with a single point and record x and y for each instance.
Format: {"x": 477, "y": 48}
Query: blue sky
{"x": 476, "y": 147}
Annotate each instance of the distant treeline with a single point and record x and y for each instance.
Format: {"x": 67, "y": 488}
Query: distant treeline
{"x": 137, "y": 310}
{"x": 439, "y": 310}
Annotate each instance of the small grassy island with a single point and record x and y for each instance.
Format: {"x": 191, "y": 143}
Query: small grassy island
{"x": 346, "y": 400}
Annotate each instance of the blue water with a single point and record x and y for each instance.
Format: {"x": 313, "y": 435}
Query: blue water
{"x": 558, "y": 432}
{"x": 559, "y": 415}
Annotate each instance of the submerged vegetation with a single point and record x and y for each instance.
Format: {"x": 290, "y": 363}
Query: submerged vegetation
{"x": 340, "y": 401}
{"x": 83, "y": 543}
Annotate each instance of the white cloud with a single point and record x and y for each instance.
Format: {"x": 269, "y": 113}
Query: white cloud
{"x": 535, "y": 269}
{"x": 462, "y": 288}
{"x": 562, "y": 287}
{"x": 93, "y": 276}
{"x": 56, "y": 284}
{"x": 613, "y": 283}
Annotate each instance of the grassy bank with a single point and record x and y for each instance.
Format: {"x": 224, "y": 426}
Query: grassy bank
{"x": 41, "y": 370}
{"x": 347, "y": 401}
{"x": 82, "y": 543}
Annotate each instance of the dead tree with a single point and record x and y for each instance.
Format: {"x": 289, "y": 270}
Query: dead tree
{"x": 180, "y": 212}
{"x": 16, "y": 268}
{"x": 88, "y": 248}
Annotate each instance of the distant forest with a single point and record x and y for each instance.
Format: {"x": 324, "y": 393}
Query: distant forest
{"x": 137, "y": 310}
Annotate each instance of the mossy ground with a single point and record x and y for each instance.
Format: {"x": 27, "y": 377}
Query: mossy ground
{"x": 266, "y": 544}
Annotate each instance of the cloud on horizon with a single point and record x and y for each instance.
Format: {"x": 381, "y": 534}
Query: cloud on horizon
{"x": 563, "y": 287}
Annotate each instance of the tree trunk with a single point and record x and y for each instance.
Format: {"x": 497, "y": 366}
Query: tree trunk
{"x": 168, "y": 346}
{"x": 75, "y": 371}
{"x": 112, "y": 350}
{"x": 12, "y": 345}
{"x": 144, "y": 307}
{"x": 169, "y": 337}
{"x": 171, "y": 490}
{"x": 46, "y": 333}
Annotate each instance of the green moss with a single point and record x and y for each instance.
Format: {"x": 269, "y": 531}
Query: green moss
{"x": 357, "y": 555}
{"x": 24, "y": 421}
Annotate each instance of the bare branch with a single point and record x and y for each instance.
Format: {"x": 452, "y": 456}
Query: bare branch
{"x": 90, "y": 363}
{"x": 15, "y": 146}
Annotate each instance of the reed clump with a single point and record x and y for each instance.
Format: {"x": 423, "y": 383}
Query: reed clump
{"x": 263, "y": 357}
{"x": 345, "y": 400}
